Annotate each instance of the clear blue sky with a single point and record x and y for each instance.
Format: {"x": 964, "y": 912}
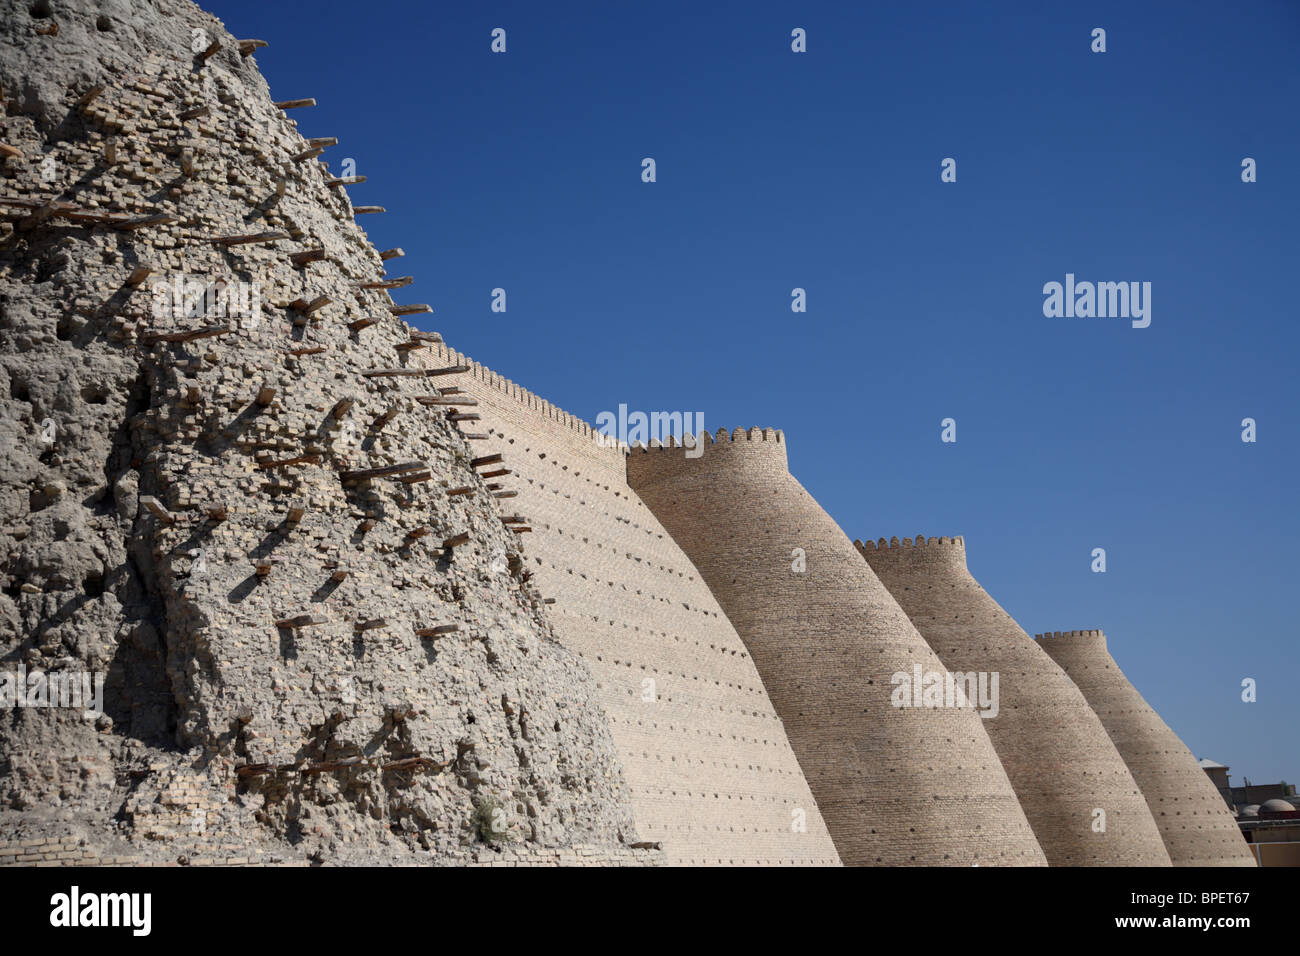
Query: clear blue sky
{"x": 821, "y": 170}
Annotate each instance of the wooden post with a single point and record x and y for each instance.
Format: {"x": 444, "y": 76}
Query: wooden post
{"x": 89, "y": 96}
{"x": 488, "y": 460}
{"x": 296, "y": 510}
{"x": 265, "y": 395}
{"x": 306, "y": 154}
{"x": 456, "y": 540}
{"x": 396, "y": 282}
{"x": 385, "y": 472}
{"x": 344, "y": 181}
{"x": 341, "y": 407}
{"x": 391, "y": 254}
{"x": 392, "y": 372}
{"x": 213, "y": 47}
{"x": 156, "y": 508}
{"x": 449, "y": 370}
{"x": 302, "y": 620}
{"x": 362, "y": 210}
{"x": 358, "y": 324}
{"x": 323, "y": 141}
{"x": 285, "y": 463}
{"x": 452, "y": 400}
{"x": 250, "y": 237}
{"x": 409, "y": 309}
{"x": 294, "y": 104}
{"x": 195, "y": 113}
{"x": 497, "y": 473}
{"x": 203, "y": 333}
{"x": 463, "y": 490}
{"x": 369, "y": 625}
{"x": 306, "y": 256}
{"x": 138, "y": 275}
{"x": 307, "y": 308}
{"x": 246, "y": 47}
{"x": 437, "y": 631}
{"x": 385, "y": 418}
{"x": 215, "y": 510}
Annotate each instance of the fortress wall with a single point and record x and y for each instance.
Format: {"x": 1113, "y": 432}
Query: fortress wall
{"x": 1195, "y": 824}
{"x": 1054, "y": 748}
{"x": 710, "y": 771}
{"x": 895, "y": 785}
{"x": 323, "y": 724}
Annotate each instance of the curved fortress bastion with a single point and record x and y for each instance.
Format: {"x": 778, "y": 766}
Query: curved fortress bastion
{"x": 710, "y": 771}
{"x": 1194, "y": 822}
{"x": 1062, "y": 764}
{"x": 895, "y": 785}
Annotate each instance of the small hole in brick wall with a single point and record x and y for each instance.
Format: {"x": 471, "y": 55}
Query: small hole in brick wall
{"x": 94, "y": 394}
{"x": 64, "y": 329}
{"x": 93, "y": 585}
{"x": 18, "y": 390}
{"x": 103, "y": 24}
{"x": 41, "y": 9}
{"x": 469, "y": 719}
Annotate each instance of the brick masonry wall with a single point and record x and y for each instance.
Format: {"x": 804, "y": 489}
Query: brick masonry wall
{"x": 710, "y": 771}
{"x": 1055, "y": 750}
{"x": 1194, "y": 822}
{"x": 895, "y": 785}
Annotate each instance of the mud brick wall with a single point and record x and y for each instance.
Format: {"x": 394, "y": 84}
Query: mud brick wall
{"x": 1054, "y": 748}
{"x": 298, "y": 661}
{"x": 896, "y": 786}
{"x": 1194, "y": 822}
{"x": 710, "y": 771}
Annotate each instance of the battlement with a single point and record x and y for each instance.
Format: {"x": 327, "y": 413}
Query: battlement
{"x": 754, "y": 449}
{"x": 921, "y": 542}
{"x": 723, "y": 436}
{"x": 443, "y": 355}
{"x": 918, "y": 555}
{"x": 1096, "y": 636}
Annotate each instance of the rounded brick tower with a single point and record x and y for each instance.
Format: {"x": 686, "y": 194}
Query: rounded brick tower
{"x": 895, "y": 785}
{"x": 1194, "y": 822}
{"x": 1081, "y": 800}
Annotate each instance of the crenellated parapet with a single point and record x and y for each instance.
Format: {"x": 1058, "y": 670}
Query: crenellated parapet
{"x": 915, "y": 554}
{"x": 1095, "y": 637}
{"x": 760, "y": 450}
